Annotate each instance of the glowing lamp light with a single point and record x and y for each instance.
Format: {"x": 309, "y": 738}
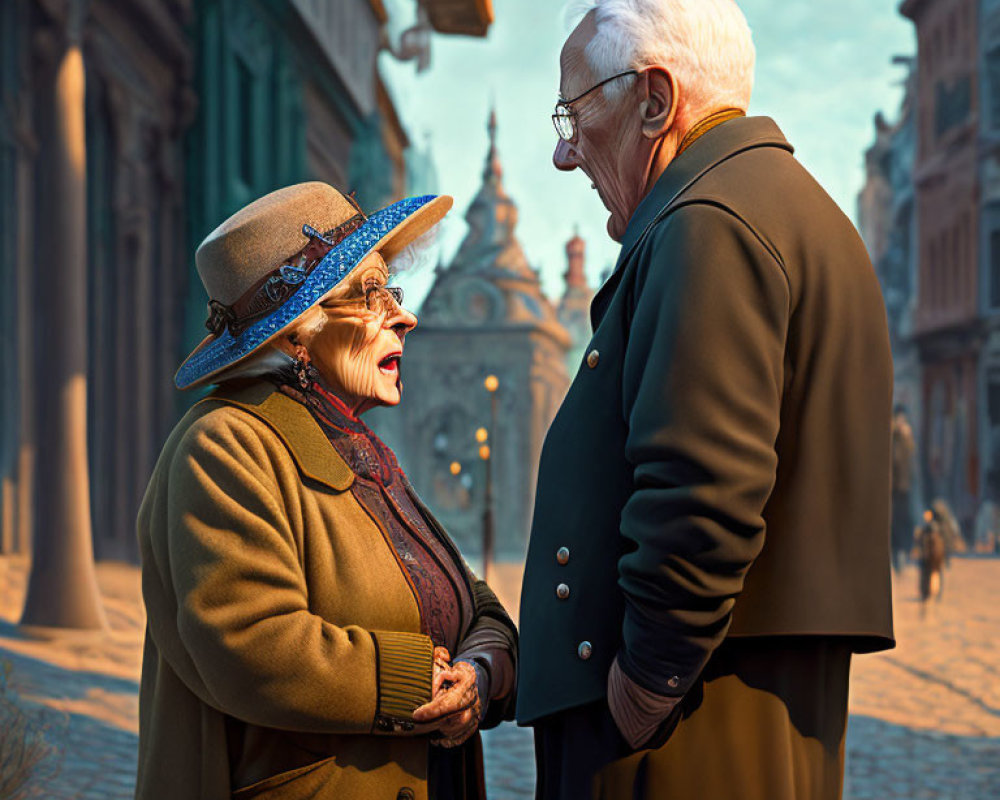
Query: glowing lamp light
{"x": 482, "y": 435}
{"x": 484, "y": 452}
{"x": 455, "y": 468}
{"x": 491, "y": 383}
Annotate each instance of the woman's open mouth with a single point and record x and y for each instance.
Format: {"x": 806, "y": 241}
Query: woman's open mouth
{"x": 390, "y": 364}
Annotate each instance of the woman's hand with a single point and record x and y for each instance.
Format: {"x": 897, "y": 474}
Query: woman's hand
{"x": 442, "y": 661}
{"x": 455, "y": 704}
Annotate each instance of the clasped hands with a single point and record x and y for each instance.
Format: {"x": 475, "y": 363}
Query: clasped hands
{"x": 454, "y": 709}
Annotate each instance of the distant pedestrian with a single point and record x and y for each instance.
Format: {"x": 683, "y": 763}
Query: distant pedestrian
{"x": 986, "y": 527}
{"x": 951, "y": 533}
{"x": 930, "y": 546}
{"x": 903, "y": 449}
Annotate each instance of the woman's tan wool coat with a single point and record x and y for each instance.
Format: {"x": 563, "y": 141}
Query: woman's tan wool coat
{"x": 283, "y": 654}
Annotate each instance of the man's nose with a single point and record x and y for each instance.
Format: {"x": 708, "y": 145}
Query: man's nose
{"x": 564, "y": 156}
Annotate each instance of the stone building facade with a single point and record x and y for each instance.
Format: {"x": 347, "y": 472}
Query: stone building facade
{"x": 96, "y": 246}
{"x": 989, "y": 270}
{"x": 948, "y": 323}
{"x": 127, "y": 132}
{"x": 888, "y": 224}
{"x": 930, "y": 212}
{"x": 484, "y": 315}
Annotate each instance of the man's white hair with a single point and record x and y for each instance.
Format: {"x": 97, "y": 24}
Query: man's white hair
{"x": 705, "y": 44}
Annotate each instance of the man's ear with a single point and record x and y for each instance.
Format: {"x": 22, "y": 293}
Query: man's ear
{"x": 659, "y": 108}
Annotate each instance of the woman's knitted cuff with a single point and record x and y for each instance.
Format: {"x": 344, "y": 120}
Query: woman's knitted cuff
{"x": 482, "y": 682}
{"x": 404, "y": 670}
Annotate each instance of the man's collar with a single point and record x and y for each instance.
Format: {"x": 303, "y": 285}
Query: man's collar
{"x": 712, "y": 148}
{"x": 709, "y": 150}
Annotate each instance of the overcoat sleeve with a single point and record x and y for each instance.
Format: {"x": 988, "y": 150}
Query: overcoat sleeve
{"x": 244, "y": 639}
{"x": 491, "y": 642}
{"x": 702, "y": 388}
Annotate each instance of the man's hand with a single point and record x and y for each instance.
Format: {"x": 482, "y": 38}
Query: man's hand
{"x": 636, "y": 711}
{"x": 455, "y": 704}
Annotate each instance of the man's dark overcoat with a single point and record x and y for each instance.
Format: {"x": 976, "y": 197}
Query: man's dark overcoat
{"x": 720, "y": 467}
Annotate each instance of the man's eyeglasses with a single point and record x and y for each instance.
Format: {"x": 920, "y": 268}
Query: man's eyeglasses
{"x": 564, "y": 118}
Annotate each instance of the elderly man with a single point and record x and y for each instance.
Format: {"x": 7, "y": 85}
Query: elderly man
{"x": 710, "y": 538}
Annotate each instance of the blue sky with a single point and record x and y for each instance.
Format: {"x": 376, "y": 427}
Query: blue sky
{"x": 823, "y": 70}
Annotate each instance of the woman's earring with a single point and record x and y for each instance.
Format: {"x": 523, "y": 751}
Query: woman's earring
{"x": 303, "y": 367}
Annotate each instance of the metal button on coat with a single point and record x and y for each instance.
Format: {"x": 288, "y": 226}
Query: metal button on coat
{"x": 592, "y": 358}
{"x": 406, "y": 793}
{"x": 674, "y": 682}
{"x": 562, "y": 591}
{"x": 585, "y": 650}
{"x": 562, "y": 555}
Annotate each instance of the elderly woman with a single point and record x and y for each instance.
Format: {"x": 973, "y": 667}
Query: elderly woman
{"x": 312, "y": 630}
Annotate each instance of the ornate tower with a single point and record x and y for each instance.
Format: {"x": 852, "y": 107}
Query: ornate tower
{"x": 484, "y": 315}
{"x": 574, "y": 307}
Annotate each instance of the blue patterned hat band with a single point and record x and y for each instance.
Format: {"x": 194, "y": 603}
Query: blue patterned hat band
{"x": 223, "y": 350}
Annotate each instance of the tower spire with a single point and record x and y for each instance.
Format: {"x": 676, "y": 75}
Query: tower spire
{"x": 493, "y": 168}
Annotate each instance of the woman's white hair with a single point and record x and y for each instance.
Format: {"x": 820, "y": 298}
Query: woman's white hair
{"x": 270, "y": 359}
{"x": 705, "y": 44}
{"x": 267, "y": 361}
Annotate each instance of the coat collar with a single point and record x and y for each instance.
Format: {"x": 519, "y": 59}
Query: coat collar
{"x": 715, "y": 146}
{"x": 315, "y": 456}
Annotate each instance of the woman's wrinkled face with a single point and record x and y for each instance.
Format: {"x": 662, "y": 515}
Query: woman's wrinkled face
{"x": 358, "y": 351}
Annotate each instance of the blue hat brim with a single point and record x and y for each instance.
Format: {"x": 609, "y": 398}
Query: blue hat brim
{"x": 217, "y": 353}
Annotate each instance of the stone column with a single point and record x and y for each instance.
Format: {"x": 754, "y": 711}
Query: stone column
{"x": 27, "y": 153}
{"x": 62, "y": 589}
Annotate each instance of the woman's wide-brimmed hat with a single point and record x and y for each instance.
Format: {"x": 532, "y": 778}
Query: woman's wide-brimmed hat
{"x": 276, "y": 258}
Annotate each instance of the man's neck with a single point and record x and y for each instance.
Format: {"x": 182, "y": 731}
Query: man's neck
{"x": 664, "y": 151}
{"x": 676, "y": 141}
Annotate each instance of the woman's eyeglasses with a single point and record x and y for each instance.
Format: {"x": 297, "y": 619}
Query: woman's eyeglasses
{"x": 377, "y": 298}
{"x": 380, "y": 299}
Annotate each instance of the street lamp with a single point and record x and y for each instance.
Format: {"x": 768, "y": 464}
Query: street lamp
{"x": 491, "y": 385}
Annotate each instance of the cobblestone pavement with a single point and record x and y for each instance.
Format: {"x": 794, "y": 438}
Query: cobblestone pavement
{"x": 925, "y": 717}
{"x": 80, "y": 692}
